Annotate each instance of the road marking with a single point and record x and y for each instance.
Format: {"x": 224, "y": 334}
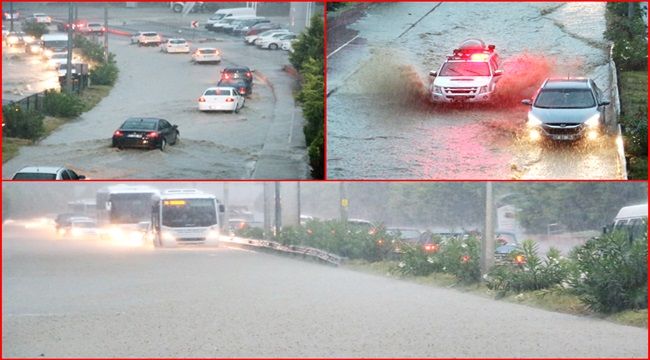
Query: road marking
{"x": 342, "y": 46}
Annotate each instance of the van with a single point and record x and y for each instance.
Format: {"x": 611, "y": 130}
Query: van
{"x": 225, "y": 13}
{"x": 56, "y": 43}
{"x": 632, "y": 219}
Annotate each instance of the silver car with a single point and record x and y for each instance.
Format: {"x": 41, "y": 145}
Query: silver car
{"x": 566, "y": 110}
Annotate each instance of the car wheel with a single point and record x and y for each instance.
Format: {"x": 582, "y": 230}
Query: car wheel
{"x": 163, "y": 144}
{"x": 273, "y": 46}
{"x": 235, "y": 110}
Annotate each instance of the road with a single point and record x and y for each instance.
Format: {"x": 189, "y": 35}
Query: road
{"x": 265, "y": 140}
{"x": 382, "y": 126}
{"x": 89, "y": 299}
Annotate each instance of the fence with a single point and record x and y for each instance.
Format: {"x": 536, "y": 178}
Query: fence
{"x": 31, "y": 102}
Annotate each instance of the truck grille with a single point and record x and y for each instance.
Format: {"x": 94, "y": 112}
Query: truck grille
{"x": 460, "y": 90}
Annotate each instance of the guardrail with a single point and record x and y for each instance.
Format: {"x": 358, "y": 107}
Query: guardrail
{"x": 616, "y": 102}
{"x": 296, "y": 250}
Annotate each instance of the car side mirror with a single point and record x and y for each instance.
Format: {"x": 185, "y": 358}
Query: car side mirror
{"x": 498, "y": 72}
{"x": 433, "y": 73}
{"x": 81, "y": 177}
{"x": 175, "y": 126}
{"x": 222, "y": 208}
{"x": 252, "y": 70}
{"x": 604, "y": 103}
{"x": 526, "y": 102}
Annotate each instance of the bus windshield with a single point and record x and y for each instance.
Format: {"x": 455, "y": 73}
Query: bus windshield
{"x": 189, "y": 213}
{"x": 130, "y": 208}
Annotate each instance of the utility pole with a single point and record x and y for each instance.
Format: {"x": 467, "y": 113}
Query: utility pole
{"x": 267, "y": 209}
{"x": 343, "y": 202}
{"x": 298, "y": 204}
{"x": 68, "y": 73}
{"x": 487, "y": 245}
{"x": 76, "y": 13}
{"x": 106, "y": 33}
{"x": 278, "y": 209}
{"x": 11, "y": 17}
{"x": 226, "y": 205}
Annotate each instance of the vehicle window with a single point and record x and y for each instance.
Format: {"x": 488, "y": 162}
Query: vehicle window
{"x": 209, "y": 51}
{"x": 150, "y": 34}
{"x": 164, "y": 124}
{"x": 469, "y": 68}
{"x": 137, "y": 125}
{"x": 73, "y": 175}
{"x": 65, "y": 175}
{"x": 177, "y": 41}
{"x": 565, "y": 99}
{"x": 34, "y": 176}
{"x": 218, "y": 92}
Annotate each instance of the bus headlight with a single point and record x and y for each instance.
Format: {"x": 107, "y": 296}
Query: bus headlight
{"x": 76, "y": 232}
{"x": 593, "y": 121}
{"x": 48, "y": 53}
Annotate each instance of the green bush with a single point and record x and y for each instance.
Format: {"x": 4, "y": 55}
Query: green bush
{"x": 62, "y": 104}
{"x": 533, "y": 274}
{"x": 35, "y": 29}
{"x": 104, "y": 74}
{"x": 631, "y": 54}
{"x": 22, "y": 124}
{"x": 317, "y": 157}
{"x": 611, "y": 272}
{"x": 92, "y": 51}
{"x": 250, "y": 232}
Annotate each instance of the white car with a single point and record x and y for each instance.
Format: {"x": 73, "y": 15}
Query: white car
{"x": 149, "y": 38}
{"x": 40, "y": 18}
{"x": 204, "y": 55}
{"x": 175, "y": 46}
{"x": 57, "y": 60}
{"x": 287, "y": 45}
{"x": 46, "y": 173}
{"x": 83, "y": 227}
{"x": 252, "y": 39}
{"x": 274, "y": 41}
{"x": 221, "y": 99}
{"x": 470, "y": 74}
{"x": 63, "y": 70}
{"x": 136, "y": 35}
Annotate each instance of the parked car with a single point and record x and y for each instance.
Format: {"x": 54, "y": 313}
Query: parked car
{"x": 15, "y": 15}
{"x": 39, "y": 18}
{"x": 273, "y": 42}
{"x": 237, "y": 72}
{"x": 46, "y": 173}
{"x": 244, "y": 88}
{"x": 252, "y": 39}
{"x": 244, "y": 25}
{"x": 206, "y": 55}
{"x": 175, "y": 46}
{"x": 262, "y": 27}
{"x": 566, "y": 110}
{"x": 149, "y": 38}
{"x": 221, "y": 98}
{"x": 145, "y": 133}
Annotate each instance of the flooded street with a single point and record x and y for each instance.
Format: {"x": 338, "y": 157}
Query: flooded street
{"x": 381, "y": 124}
{"x": 82, "y": 298}
{"x": 265, "y": 140}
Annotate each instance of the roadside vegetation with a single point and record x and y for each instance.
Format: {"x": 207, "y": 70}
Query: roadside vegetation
{"x": 606, "y": 277}
{"x": 27, "y": 126}
{"x": 308, "y": 60}
{"x": 628, "y": 32}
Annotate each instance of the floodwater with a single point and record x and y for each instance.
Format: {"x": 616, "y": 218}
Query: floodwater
{"x": 381, "y": 124}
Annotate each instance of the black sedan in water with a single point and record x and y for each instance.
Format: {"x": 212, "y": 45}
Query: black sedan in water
{"x": 145, "y": 133}
{"x": 243, "y": 88}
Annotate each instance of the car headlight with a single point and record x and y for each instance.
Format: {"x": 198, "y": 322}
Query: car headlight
{"x": 483, "y": 90}
{"x": 28, "y": 39}
{"x": 35, "y": 48}
{"x": 48, "y": 53}
{"x": 437, "y": 90}
{"x": 593, "y": 121}
{"x": 13, "y": 40}
{"x": 533, "y": 120}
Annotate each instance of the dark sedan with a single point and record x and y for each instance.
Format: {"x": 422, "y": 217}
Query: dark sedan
{"x": 149, "y": 133}
{"x": 237, "y": 73}
{"x": 243, "y": 88}
{"x": 567, "y": 109}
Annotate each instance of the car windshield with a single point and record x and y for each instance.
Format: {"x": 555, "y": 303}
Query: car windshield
{"x": 217, "y": 92}
{"x": 208, "y": 51}
{"x": 60, "y": 56}
{"x": 84, "y": 224}
{"x": 34, "y": 176}
{"x": 139, "y": 125}
{"x": 465, "y": 68}
{"x": 94, "y": 25}
{"x": 150, "y": 34}
{"x": 565, "y": 99}
{"x": 177, "y": 42}
{"x": 189, "y": 213}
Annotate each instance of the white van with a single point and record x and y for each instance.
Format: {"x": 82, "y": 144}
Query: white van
{"x": 56, "y": 43}
{"x": 630, "y": 216}
{"x": 224, "y": 13}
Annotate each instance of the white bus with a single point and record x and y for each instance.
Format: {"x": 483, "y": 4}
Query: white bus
{"x": 124, "y": 211}
{"x": 632, "y": 219}
{"x": 185, "y": 216}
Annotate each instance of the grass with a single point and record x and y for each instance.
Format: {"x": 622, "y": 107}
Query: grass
{"x": 91, "y": 96}
{"x": 634, "y": 106}
{"x": 556, "y": 299}
{"x": 10, "y": 147}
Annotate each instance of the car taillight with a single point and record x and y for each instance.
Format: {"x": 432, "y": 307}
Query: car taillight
{"x": 242, "y": 91}
{"x": 201, "y": 99}
{"x": 118, "y": 133}
{"x": 249, "y": 74}
{"x": 230, "y": 99}
{"x": 226, "y": 76}
{"x": 152, "y": 134}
